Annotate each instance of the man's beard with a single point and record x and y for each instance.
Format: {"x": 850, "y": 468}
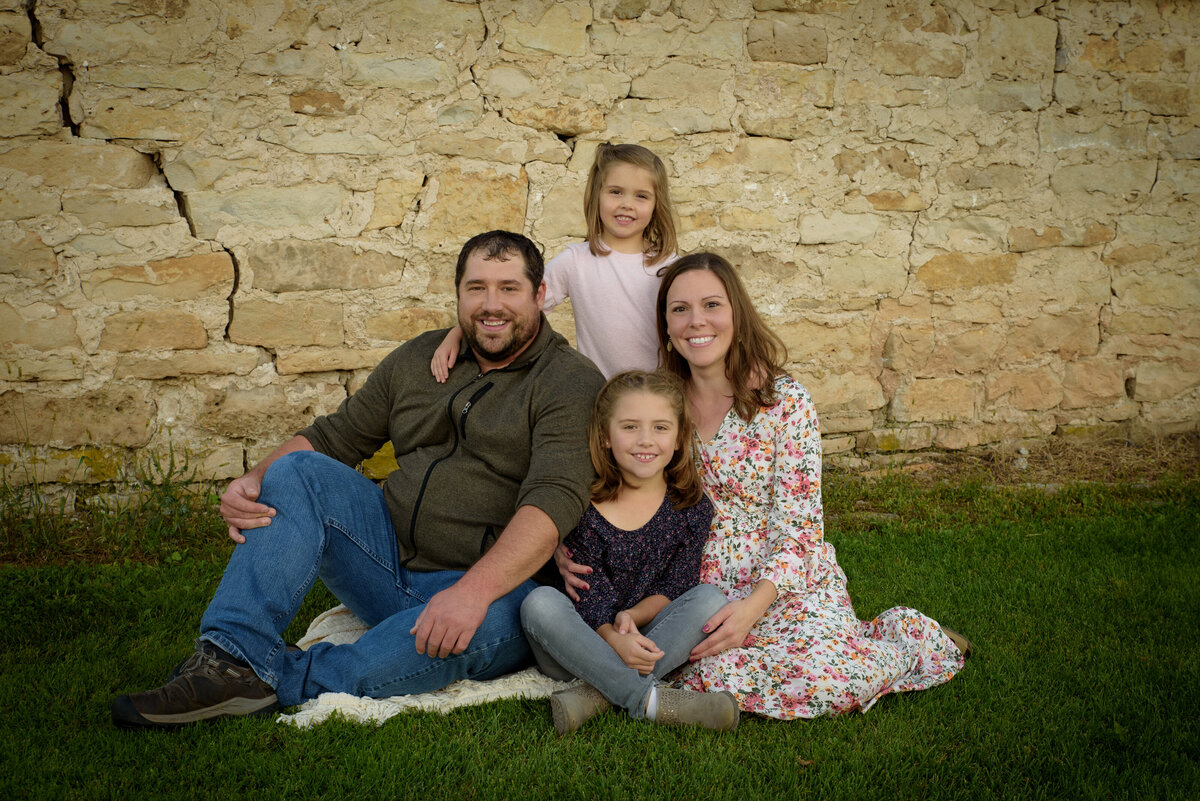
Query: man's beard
{"x": 520, "y": 333}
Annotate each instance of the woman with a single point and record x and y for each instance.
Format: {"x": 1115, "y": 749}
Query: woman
{"x": 788, "y": 644}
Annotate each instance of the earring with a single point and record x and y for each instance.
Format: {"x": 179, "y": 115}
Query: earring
{"x": 668, "y": 344}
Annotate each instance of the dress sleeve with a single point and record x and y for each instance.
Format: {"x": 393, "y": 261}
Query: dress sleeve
{"x": 598, "y": 604}
{"x": 795, "y": 519}
{"x": 683, "y": 569}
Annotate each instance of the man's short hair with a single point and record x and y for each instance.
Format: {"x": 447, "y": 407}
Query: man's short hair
{"x": 498, "y": 245}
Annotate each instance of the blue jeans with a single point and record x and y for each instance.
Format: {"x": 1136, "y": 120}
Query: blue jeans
{"x": 332, "y": 523}
{"x": 565, "y": 647}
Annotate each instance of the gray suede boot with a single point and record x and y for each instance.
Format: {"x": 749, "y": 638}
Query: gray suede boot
{"x": 573, "y": 706}
{"x": 711, "y": 710}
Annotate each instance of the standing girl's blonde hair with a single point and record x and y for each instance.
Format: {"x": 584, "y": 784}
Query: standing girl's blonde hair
{"x": 659, "y": 235}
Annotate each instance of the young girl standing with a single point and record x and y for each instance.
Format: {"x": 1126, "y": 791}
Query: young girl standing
{"x": 612, "y": 278}
{"x": 642, "y": 535}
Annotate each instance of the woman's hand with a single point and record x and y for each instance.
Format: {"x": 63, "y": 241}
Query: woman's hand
{"x": 731, "y": 625}
{"x": 571, "y": 572}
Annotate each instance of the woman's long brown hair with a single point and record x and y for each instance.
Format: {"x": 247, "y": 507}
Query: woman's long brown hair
{"x": 756, "y": 355}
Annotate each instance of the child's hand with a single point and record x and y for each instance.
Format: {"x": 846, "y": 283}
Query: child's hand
{"x": 636, "y": 651}
{"x": 571, "y": 572}
{"x": 446, "y": 355}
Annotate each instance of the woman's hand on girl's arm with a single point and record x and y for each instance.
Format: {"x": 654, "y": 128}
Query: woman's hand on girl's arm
{"x": 636, "y": 651}
{"x": 446, "y": 355}
{"x": 571, "y": 572}
{"x": 731, "y": 624}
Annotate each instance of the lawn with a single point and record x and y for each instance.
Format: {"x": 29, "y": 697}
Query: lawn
{"x": 1079, "y": 598}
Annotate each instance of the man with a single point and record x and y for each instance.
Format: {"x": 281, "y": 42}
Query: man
{"x": 493, "y": 470}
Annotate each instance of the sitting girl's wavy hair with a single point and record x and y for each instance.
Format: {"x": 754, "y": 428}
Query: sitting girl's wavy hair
{"x": 683, "y": 481}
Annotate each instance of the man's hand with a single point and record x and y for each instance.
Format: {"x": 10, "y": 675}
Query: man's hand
{"x": 448, "y": 622}
{"x": 240, "y": 508}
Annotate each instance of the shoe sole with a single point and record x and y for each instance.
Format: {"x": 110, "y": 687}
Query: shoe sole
{"x": 125, "y": 716}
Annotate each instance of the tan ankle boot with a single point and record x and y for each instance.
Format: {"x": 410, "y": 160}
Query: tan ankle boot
{"x": 712, "y": 710}
{"x": 575, "y": 705}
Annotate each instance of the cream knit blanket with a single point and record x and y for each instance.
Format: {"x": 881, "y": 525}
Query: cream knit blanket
{"x": 339, "y": 626}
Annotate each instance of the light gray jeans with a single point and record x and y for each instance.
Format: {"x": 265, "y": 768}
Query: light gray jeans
{"x": 567, "y": 648}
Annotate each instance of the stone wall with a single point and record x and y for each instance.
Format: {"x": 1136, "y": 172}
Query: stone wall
{"x": 973, "y": 221}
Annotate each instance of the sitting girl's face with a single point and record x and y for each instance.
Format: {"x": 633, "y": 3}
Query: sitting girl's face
{"x": 643, "y": 433}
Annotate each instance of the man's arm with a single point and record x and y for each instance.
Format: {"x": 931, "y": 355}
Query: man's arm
{"x": 239, "y": 505}
{"x": 450, "y": 618}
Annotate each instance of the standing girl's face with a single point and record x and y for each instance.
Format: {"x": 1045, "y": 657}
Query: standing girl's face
{"x": 699, "y": 318}
{"x": 643, "y": 433}
{"x": 626, "y": 206}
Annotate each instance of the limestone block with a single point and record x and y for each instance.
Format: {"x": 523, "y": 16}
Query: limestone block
{"x": 270, "y": 207}
{"x": 270, "y": 413}
{"x": 1130, "y": 179}
{"x": 73, "y": 165}
{"x": 842, "y": 394}
{"x": 912, "y": 58}
{"x": 1183, "y": 177}
{"x": 122, "y": 118}
{"x": 51, "y": 367}
{"x": 351, "y": 143}
{"x": 866, "y": 274}
{"x": 778, "y": 97}
{"x": 950, "y": 271}
{"x": 1160, "y": 381}
{"x": 935, "y": 400}
{"x": 317, "y": 103}
{"x": 27, "y": 257}
{"x": 291, "y": 265}
{"x": 201, "y": 276}
{"x": 29, "y": 103}
{"x": 1168, "y": 290}
{"x": 838, "y": 226}
{"x": 1068, "y": 334}
{"x": 153, "y": 329}
{"x": 1027, "y": 390}
{"x": 42, "y": 328}
{"x": 1092, "y": 382}
{"x": 423, "y": 26}
{"x": 188, "y": 171}
{"x": 737, "y": 218}
{"x": 656, "y": 120}
{"x": 19, "y": 202}
{"x": 835, "y": 345}
{"x": 16, "y": 34}
{"x": 562, "y": 30}
{"x": 756, "y": 154}
{"x": 203, "y": 362}
{"x": 1092, "y": 92}
{"x": 969, "y": 435}
{"x": 401, "y": 325}
{"x": 316, "y": 360}
{"x": 292, "y": 322}
{"x": 908, "y": 347}
{"x": 421, "y": 77}
{"x": 1021, "y": 240}
{"x": 1073, "y": 132}
{"x": 1128, "y": 322}
{"x": 115, "y": 415}
{"x": 890, "y": 440}
{"x": 678, "y": 78}
{"x": 1157, "y": 228}
{"x": 463, "y": 204}
{"x": 891, "y": 200}
{"x": 184, "y": 77}
{"x": 120, "y": 207}
{"x": 780, "y": 39}
{"x": 394, "y": 199}
{"x": 837, "y": 444}
{"x": 719, "y": 40}
{"x": 1018, "y": 48}
{"x": 974, "y": 350}
{"x": 1158, "y": 97}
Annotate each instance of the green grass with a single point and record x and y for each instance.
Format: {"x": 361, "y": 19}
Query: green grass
{"x": 1085, "y": 683}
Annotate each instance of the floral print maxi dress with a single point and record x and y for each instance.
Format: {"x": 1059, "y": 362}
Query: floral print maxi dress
{"x": 808, "y": 655}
